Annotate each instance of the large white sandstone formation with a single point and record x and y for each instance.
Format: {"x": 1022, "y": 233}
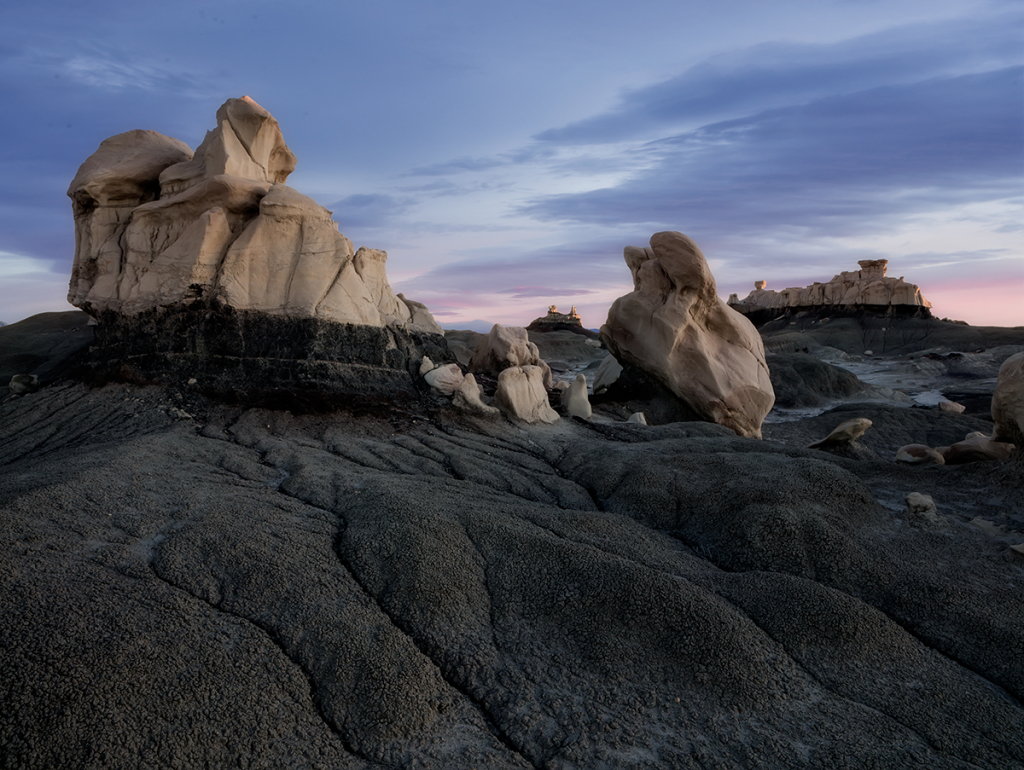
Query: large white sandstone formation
{"x": 674, "y": 326}
{"x": 1008, "y": 402}
{"x": 867, "y": 286}
{"x": 156, "y": 225}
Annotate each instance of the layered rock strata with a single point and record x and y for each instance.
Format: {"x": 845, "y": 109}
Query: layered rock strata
{"x": 674, "y": 327}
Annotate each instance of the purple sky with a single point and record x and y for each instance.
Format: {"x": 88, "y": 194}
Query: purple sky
{"x": 504, "y": 154}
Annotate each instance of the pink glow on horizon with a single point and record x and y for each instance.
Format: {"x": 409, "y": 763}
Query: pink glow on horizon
{"x": 978, "y": 303}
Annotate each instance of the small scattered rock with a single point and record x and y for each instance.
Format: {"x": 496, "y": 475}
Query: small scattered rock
{"x": 918, "y": 454}
{"x": 845, "y": 433}
{"x": 470, "y": 397}
{"x": 921, "y": 510}
{"x": 951, "y": 406}
{"x": 637, "y": 417}
{"x": 21, "y": 384}
{"x": 1016, "y": 553}
{"x": 986, "y": 526}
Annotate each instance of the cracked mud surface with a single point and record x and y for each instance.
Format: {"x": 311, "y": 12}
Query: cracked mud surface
{"x": 255, "y": 588}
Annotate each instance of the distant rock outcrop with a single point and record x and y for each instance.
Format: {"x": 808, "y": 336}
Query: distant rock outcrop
{"x": 867, "y": 287}
{"x": 675, "y": 328}
{"x": 555, "y": 321}
{"x": 156, "y": 226}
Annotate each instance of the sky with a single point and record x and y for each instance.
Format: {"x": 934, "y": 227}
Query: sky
{"x": 503, "y": 154}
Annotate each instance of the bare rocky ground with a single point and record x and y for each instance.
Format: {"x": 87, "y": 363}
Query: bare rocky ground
{"x": 190, "y": 583}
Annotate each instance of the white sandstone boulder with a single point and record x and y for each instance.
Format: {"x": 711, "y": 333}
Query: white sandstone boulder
{"x": 521, "y": 395}
{"x": 1008, "y": 401}
{"x": 508, "y": 346}
{"x": 575, "y": 400}
{"x": 674, "y": 326}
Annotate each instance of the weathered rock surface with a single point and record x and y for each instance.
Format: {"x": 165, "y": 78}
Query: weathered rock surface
{"x": 1008, "y": 402}
{"x": 800, "y": 380}
{"x": 675, "y": 328}
{"x": 508, "y": 346}
{"x": 252, "y": 357}
{"x": 521, "y": 395}
{"x": 156, "y": 227}
{"x": 382, "y": 590}
{"x": 868, "y": 286}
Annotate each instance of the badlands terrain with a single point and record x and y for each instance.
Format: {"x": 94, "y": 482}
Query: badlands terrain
{"x": 256, "y": 522}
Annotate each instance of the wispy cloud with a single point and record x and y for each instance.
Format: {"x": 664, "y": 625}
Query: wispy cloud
{"x": 772, "y": 74}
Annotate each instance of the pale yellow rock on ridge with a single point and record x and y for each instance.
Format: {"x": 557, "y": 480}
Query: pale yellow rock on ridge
{"x": 867, "y": 286}
{"x": 674, "y": 326}
{"x": 156, "y": 226}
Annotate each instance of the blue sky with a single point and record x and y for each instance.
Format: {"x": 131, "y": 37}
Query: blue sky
{"x": 504, "y": 154}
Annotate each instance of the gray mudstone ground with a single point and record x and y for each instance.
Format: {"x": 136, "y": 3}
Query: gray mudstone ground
{"x": 186, "y": 583}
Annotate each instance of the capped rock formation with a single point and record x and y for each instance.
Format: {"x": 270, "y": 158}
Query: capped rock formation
{"x": 156, "y": 226}
{"x": 867, "y": 287}
{"x": 674, "y": 327}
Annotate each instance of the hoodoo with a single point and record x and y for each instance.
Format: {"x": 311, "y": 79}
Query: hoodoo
{"x": 207, "y": 262}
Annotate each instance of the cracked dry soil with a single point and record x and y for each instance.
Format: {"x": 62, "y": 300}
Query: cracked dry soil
{"x": 260, "y": 589}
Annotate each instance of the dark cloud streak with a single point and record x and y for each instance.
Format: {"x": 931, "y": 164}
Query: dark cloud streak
{"x": 833, "y": 166}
